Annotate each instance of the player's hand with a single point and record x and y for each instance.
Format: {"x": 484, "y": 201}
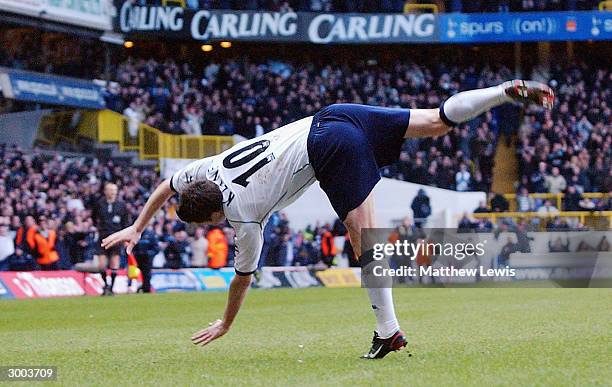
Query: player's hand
{"x": 205, "y": 336}
{"x": 128, "y": 235}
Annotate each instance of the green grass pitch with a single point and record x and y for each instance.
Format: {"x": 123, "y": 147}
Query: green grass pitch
{"x": 295, "y": 337}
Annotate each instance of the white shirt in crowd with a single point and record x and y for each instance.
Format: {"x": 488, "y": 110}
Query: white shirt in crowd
{"x": 199, "y": 252}
{"x": 462, "y": 180}
{"x": 7, "y": 247}
{"x": 134, "y": 119}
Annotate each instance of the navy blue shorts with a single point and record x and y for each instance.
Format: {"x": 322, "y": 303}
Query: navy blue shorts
{"x": 348, "y": 144}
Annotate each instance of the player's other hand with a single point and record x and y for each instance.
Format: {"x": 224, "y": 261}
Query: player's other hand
{"x": 128, "y": 235}
{"x": 205, "y": 336}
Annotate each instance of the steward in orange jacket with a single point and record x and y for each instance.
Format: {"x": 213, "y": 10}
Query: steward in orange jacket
{"x": 217, "y": 248}
{"x": 328, "y": 248}
{"x": 41, "y": 241}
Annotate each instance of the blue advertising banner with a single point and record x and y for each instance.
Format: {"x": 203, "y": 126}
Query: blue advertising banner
{"x": 520, "y": 27}
{"x": 175, "y": 281}
{"x": 50, "y": 89}
{"x": 155, "y": 22}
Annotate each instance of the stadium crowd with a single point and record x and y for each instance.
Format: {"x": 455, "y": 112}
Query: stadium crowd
{"x": 46, "y": 219}
{"x": 565, "y": 148}
{"x": 569, "y": 150}
{"x": 250, "y": 99}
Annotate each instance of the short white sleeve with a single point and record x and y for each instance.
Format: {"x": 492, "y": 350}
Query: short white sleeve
{"x": 249, "y": 241}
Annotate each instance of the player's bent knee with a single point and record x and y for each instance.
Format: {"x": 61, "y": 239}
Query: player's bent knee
{"x": 426, "y": 123}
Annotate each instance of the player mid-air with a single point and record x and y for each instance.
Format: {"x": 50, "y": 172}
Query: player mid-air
{"x": 342, "y": 146}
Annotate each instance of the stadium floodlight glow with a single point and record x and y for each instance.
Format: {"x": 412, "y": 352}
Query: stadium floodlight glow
{"x": 226, "y": 44}
{"x": 207, "y": 47}
{"x": 128, "y": 44}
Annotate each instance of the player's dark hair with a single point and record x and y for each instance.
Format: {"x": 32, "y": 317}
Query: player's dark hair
{"x": 198, "y": 201}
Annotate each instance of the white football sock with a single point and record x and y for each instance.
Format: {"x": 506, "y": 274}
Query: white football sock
{"x": 466, "y": 105}
{"x": 382, "y": 304}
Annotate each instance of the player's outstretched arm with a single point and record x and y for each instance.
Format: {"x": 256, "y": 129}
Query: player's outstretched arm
{"x": 131, "y": 234}
{"x": 237, "y": 292}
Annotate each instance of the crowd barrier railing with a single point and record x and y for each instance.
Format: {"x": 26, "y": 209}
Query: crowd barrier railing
{"x": 151, "y": 144}
{"x": 556, "y": 199}
{"x": 599, "y": 220}
{"x": 410, "y": 7}
{"x": 605, "y": 5}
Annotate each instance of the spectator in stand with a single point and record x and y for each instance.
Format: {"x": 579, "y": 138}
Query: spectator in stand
{"x": 499, "y": 203}
{"x": 462, "y": 178}
{"x": 557, "y": 224}
{"x": 328, "y": 247}
{"x": 558, "y": 246}
{"x": 555, "y": 183}
{"x": 547, "y": 209}
{"x": 7, "y": 247}
{"x": 421, "y": 208}
{"x": 572, "y": 200}
{"x": 178, "y": 251}
{"x": 510, "y": 247}
{"x": 522, "y": 238}
{"x": 42, "y": 239}
{"x": 75, "y": 241}
{"x": 524, "y": 202}
{"x": 538, "y": 179}
{"x": 135, "y": 117}
{"x": 482, "y": 208}
{"x": 230, "y": 237}
{"x": 144, "y": 251}
{"x": 465, "y": 224}
{"x": 584, "y": 246}
{"x": 21, "y": 233}
{"x": 483, "y": 225}
{"x": 199, "y": 249}
{"x": 604, "y": 204}
{"x": 217, "y": 248}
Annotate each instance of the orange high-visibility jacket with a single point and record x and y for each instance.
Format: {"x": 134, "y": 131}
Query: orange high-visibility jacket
{"x": 328, "y": 247}
{"x": 43, "y": 249}
{"x": 217, "y": 249}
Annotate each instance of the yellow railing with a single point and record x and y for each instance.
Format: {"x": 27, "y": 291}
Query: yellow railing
{"x": 556, "y": 199}
{"x": 605, "y": 5}
{"x": 151, "y": 143}
{"x": 56, "y": 127}
{"x": 180, "y": 3}
{"x": 595, "y": 219}
{"x": 410, "y": 7}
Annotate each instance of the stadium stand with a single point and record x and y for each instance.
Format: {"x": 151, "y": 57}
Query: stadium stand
{"x": 571, "y": 146}
{"x": 564, "y": 156}
{"x": 250, "y": 99}
{"x": 61, "y": 191}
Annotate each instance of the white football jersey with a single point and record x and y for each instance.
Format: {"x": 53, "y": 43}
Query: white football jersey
{"x": 256, "y": 177}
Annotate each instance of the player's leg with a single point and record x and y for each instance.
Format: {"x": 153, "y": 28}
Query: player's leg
{"x": 426, "y": 123}
{"x": 113, "y": 265}
{"x": 466, "y": 105}
{"x": 388, "y": 337}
